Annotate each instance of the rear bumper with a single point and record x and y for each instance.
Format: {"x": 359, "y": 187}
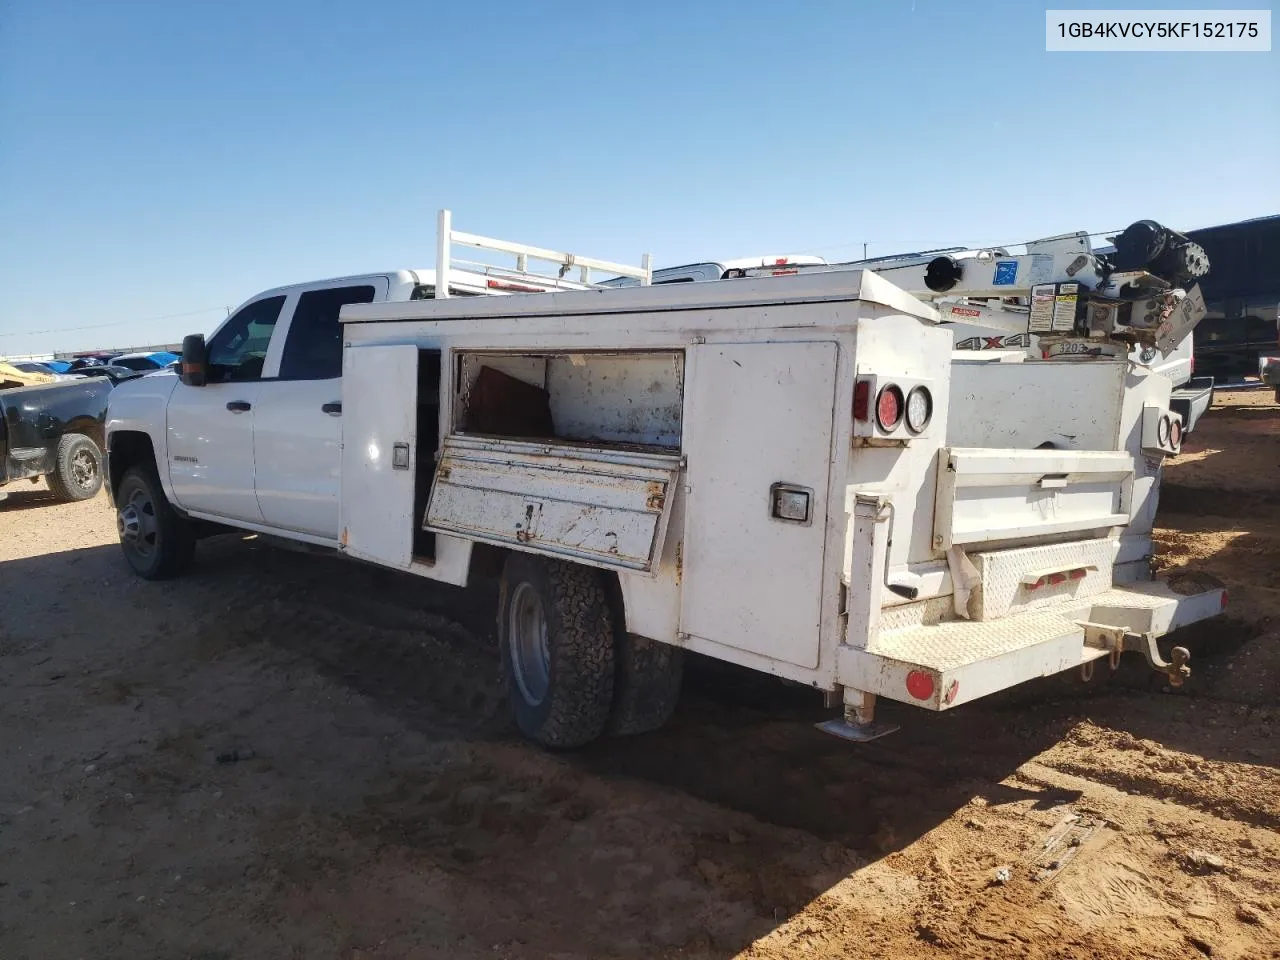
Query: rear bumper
{"x": 942, "y": 665}
{"x": 1192, "y": 401}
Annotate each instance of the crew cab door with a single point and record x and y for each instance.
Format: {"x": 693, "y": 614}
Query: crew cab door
{"x": 210, "y": 428}
{"x": 297, "y": 420}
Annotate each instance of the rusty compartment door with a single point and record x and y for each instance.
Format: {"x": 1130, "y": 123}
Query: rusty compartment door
{"x": 595, "y": 505}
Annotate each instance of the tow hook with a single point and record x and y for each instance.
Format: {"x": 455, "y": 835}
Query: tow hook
{"x": 1117, "y": 640}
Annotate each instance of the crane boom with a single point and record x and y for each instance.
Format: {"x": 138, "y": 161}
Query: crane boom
{"x": 1076, "y": 301}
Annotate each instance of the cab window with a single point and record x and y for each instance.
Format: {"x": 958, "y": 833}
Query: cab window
{"x": 239, "y": 349}
{"x": 313, "y": 348}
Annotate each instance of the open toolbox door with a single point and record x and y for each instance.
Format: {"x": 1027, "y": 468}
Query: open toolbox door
{"x": 379, "y": 440}
{"x": 607, "y": 507}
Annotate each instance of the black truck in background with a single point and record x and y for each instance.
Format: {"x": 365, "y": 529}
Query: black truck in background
{"x": 55, "y": 430}
{"x": 1242, "y": 292}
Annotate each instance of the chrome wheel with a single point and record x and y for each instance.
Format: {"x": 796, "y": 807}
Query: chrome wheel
{"x": 84, "y": 469}
{"x": 136, "y": 522}
{"x": 530, "y": 647}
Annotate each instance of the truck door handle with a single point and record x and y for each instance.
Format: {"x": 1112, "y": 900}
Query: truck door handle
{"x": 332, "y": 409}
{"x": 239, "y": 406}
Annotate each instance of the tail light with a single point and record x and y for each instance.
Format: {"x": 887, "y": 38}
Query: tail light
{"x": 882, "y": 405}
{"x": 862, "y": 400}
{"x": 1034, "y": 582}
{"x": 889, "y": 407}
{"x": 919, "y": 409}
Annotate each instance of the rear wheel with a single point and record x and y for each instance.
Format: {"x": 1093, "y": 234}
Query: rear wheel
{"x": 77, "y": 471}
{"x": 157, "y": 542}
{"x": 648, "y": 684}
{"x": 555, "y": 627}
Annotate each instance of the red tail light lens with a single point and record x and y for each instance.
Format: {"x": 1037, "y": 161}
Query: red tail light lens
{"x": 862, "y": 400}
{"x": 889, "y": 407}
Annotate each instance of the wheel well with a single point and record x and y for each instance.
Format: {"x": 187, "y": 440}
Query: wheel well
{"x": 128, "y": 449}
{"x": 487, "y": 561}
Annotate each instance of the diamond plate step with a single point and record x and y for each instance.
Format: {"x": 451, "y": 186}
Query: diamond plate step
{"x": 942, "y": 665}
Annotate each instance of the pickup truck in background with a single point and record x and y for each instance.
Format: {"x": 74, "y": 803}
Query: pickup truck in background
{"x": 54, "y": 430}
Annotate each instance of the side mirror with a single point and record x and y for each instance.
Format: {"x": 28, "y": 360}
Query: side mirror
{"x": 195, "y": 361}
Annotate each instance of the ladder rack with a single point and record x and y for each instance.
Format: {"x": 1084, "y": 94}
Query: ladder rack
{"x": 447, "y": 238}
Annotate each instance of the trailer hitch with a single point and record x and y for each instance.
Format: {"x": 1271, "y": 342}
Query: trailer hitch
{"x": 1118, "y": 640}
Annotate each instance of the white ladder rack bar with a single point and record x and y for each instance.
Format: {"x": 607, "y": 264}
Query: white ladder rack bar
{"x": 447, "y": 237}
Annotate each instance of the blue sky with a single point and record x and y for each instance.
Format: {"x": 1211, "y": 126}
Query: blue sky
{"x": 159, "y": 158}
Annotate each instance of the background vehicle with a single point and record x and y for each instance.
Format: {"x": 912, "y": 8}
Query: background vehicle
{"x": 108, "y": 371}
{"x": 716, "y": 269}
{"x": 15, "y": 376}
{"x": 1241, "y": 294}
{"x": 55, "y": 430}
{"x": 144, "y": 362}
{"x": 40, "y": 366}
{"x": 32, "y": 366}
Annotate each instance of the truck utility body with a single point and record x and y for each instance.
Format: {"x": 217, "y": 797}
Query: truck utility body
{"x": 715, "y": 448}
{"x": 791, "y": 474}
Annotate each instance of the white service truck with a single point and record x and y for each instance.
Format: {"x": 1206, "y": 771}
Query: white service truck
{"x": 789, "y": 473}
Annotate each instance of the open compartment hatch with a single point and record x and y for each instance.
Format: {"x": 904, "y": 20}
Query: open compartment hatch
{"x": 596, "y": 505}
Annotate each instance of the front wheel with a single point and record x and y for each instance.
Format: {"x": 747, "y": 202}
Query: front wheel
{"x": 555, "y": 626}
{"x": 157, "y": 542}
{"x": 77, "y": 469}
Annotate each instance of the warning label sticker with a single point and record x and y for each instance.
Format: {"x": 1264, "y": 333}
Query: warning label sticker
{"x": 1042, "y": 300}
{"x": 1064, "y": 308}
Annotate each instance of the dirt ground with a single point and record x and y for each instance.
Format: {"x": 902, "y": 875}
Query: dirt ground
{"x": 287, "y": 756}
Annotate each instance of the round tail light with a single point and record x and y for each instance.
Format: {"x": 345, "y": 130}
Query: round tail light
{"x": 1162, "y": 431}
{"x": 889, "y": 407}
{"x": 1175, "y": 434}
{"x": 919, "y": 409}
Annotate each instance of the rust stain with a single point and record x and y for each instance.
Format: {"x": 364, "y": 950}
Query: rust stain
{"x": 656, "y": 496}
{"x": 679, "y": 561}
{"x": 953, "y": 688}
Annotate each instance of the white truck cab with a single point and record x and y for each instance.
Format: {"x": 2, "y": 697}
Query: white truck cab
{"x": 258, "y": 445}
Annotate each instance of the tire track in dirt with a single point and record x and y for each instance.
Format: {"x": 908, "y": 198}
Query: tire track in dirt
{"x": 1248, "y": 793}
